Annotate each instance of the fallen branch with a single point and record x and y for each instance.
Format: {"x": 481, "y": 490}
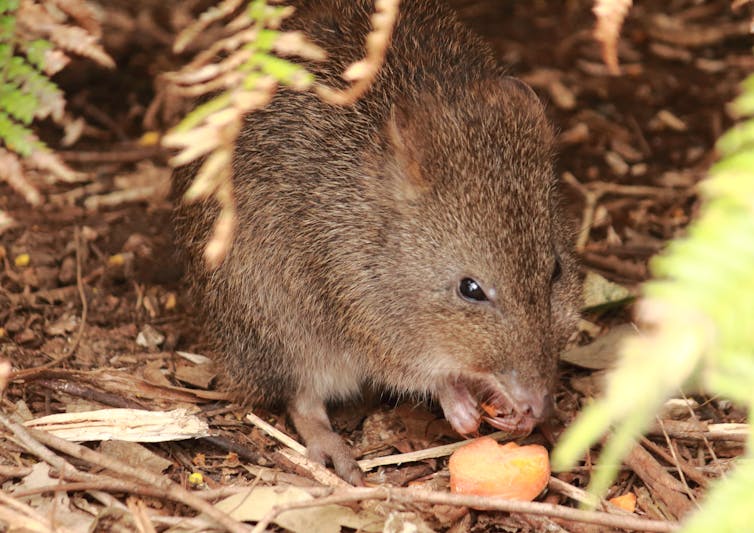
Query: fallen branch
{"x": 488, "y": 503}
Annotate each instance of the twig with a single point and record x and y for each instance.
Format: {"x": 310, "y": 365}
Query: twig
{"x": 295, "y": 453}
{"x": 676, "y": 461}
{"x": 318, "y": 471}
{"x": 84, "y": 311}
{"x": 103, "y": 483}
{"x": 689, "y": 470}
{"x": 8, "y": 471}
{"x": 31, "y": 439}
{"x": 664, "y": 486}
{"x": 276, "y": 433}
{"x": 593, "y": 193}
{"x": 419, "y": 455}
{"x": 34, "y": 447}
{"x": 82, "y": 295}
{"x": 141, "y": 517}
{"x": 413, "y": 496}
{"x": 577, "y": 494}
{"x": 698, "y": 430}
{"x": 706, "y": 441}
{"x": 587, "y": 217}
{"x": 169, "y": 489}
{"x": 18, "y": 516}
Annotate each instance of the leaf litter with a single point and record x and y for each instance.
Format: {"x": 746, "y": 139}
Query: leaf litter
{"x": 632, "y": 148}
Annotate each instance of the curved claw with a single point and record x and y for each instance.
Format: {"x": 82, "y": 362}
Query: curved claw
{"x": 515, "y": 425}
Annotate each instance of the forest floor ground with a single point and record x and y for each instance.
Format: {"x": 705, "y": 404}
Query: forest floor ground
{"x": 102, "y": 297}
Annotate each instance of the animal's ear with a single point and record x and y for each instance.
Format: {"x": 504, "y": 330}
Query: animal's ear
{"x": 506, "y": 90}
{"x": 405, "y": 146}
{"x": 521, "y": 87}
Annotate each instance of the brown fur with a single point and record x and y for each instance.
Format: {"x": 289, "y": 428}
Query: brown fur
{"x": 356, "y": 225}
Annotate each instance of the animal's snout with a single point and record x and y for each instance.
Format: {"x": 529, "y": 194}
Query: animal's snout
{"x": 529, "y": 400}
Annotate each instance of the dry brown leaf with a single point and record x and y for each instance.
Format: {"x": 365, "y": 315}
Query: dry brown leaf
{"x": 257, "y": 502}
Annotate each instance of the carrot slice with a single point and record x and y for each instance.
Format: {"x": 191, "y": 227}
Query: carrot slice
{"x": 486, "y": 468}
{"x": 489, "y": 409}
{"x": 627, "y": 502}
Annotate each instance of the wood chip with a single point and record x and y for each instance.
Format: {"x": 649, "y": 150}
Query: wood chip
{"x": 133, "y": 425}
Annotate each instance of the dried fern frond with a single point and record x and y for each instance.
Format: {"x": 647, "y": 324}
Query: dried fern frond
{"x": 610, "y": 16}
{"x": 12, "y": 173}
{"x": 41, "y": 20}
{"x": 206, "y": 19}
{"x": 35, "y": 39}
{"x": 245, "y": 68}
{"x": 81, "y": 13}
{"x": 362, "y": 73}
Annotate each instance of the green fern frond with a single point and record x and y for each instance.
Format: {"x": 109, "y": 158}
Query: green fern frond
{"x": 35, "y": 52}
{"x": 700, "y": 314}
{"x": 17, "y": 137}
{"x": 8, "y": 5}
{"x": 25, "y": 92}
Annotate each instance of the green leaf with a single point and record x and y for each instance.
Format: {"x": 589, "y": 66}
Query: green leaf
{"x": 7, "y": 6}
{"x": 196, "y": 116}
{"x": 36, "y": 50}
{"x": 286, "y": 72}
{"x": 17, "y": 137}
{"x": 266, "y": 40}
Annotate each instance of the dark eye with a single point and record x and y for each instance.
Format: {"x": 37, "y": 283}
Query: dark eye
{"x": 556, "y": 272}
{"x": 471, "y": 290}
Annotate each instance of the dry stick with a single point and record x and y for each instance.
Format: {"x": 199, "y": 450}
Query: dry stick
{"x": 488, "y": 503}
{"x": 318, "y": 471}
{"x": 82, "y": 295}
{"x": 368, "y": 464}
{"x": 590, "y": 204}
{"x": 555, "y": 484}
{"x": 419, "y": 455}
{"x": 707, "y": 444}
{"x": 698, "y": 430}
{"x": 677, "y": 463}
{"x": 140, "y": 516}
{"x": 595, "y": 190}
{"x": 690, "y": 471}
{"x": 579, "y": 495}
{"x": 127, "y": 155}
{"x": 296, "y": 454}
{"x": 7, "y": 471}
{"x": 276, "y": 433}
{"x": 103, "y": 483}
{"x": 35, "y": 448}
{"x": 24, "y": 518}
{"x": 171, "y": 490}
{"x": 664, "y": 486}
{"x": 32, "y": 439}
